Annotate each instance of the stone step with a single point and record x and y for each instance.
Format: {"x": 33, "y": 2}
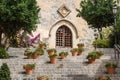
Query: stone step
{"x": 71, "y": 68}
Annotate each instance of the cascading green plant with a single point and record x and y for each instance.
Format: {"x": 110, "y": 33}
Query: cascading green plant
{"x": 92, "y": 55}
{"x": 65, "y": 53}
{"x": 39, "y": 51}
{"x": 109, "y": 64}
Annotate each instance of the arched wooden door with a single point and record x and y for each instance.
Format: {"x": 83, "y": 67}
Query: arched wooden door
{"x": 63, "y": 37}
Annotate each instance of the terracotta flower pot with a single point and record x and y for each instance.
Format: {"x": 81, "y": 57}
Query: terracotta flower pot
{"x": 91, "y": 60}
{"x": 29, "y": 72}
{"x": 53, "y": 60}
{"x": 63, "y": 56}
{"x": 29, "y": 57}
{"x": 74, "y": 53}
{"x": 110, "y": 70}
{"x": 36, "y": 55}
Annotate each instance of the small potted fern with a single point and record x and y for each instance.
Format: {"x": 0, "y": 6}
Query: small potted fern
{"x": 29, "y": 68}
{"x": 110, "y": 67}
{"x": 99, "y": 53}
{"x": 37, "y": 53}
{"x": 80, "y": 45}
{"x": 74, "y": 51}
{"x": 80, "y": 50}
{"x": 63, "y": 54}
{"x": 42, "y": 78}
{"x": 91, "y": 57}
{"x": 30, "y": 55}
{"x": 42, "y": 46}
{"x": 53, "y": 58}
{"x": 26, "y": 51}
{"x": 51, "y": 51}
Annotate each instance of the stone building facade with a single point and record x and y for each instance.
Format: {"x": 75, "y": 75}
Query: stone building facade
{"x": 60, "y": 27}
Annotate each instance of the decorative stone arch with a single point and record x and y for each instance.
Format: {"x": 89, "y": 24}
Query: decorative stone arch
{"x": 64, "y": 22}
{"x": 54, "y": 28}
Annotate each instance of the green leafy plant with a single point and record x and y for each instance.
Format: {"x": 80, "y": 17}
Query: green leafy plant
{"x": 109, "y": 64}
{"x": 65, "y": 53}
{"x": 117, "y": 28}
{"x": 54, "y": 55}
{"x": 5, "y": 72}
{"x": 39, "y": 51}
{"x": 101, "y": 43}
{"x": 42, "y": 78}
{"x": 92, "y": 55}
{"x": 80, "y": 44}
{"x": 3, "y": 53}
{"x": 97, "y": 13}
{"x": 80, "y": 49}
{"x": 27, "y": 51}
{"x": 99, "y": 53}
{"x": 32, "y": 66}
{"x": 42, "y": 44}
{"x": 74, "y": 49}
{"x": 25, "y": 17}
{"x": 30, "y": 54}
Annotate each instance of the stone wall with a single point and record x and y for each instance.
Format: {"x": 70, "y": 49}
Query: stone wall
{"x": 50, "y": 18}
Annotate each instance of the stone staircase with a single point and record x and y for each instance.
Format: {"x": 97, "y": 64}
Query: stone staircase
{"x": 71, "y": 68}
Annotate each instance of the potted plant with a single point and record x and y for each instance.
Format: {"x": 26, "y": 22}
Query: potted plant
{"x": 63, "y": 54}
{"x": 74, "y": 51}
{"x": 42, "y": 78}
{"x": 53, "y": 58}
{"x": 37, "y": 53}
{"x": 80, "y": 50}
{"x": 110, "y": 67}
{"x": 80, "y": 45}
{"x": 26, "y": 51}
{"x": 29, "y": 68}
{"x": 99, "y": 53}
{"x": 104, "y": 78}
{"x": 51, "y": 51}
{"x": 91, "y": 57}
{"x": 30, "y": 55}
{"x": 42, "y": 46}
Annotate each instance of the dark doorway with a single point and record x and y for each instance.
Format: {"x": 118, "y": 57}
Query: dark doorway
{"x": 63, "y": 37}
